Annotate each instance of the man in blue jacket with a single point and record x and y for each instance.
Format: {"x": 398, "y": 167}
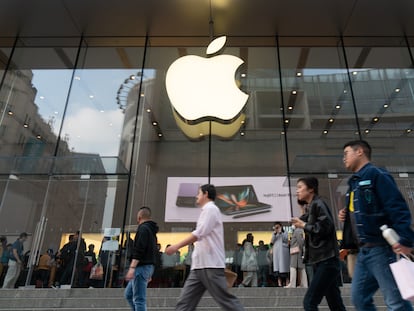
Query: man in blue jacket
{"x": 373, "y": 199}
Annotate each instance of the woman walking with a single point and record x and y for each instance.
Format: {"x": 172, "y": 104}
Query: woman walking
{"x": 321, "y": 248}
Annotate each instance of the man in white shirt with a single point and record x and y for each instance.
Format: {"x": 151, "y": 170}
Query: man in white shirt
{"x": 208, "y": 260}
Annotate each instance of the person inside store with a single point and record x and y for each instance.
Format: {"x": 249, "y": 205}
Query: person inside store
{"x": 16, "y": 262}
{"x": 208, "y": 261}
{"x": 280, "y": 252}
{"x": 43, "y": 269}
{"x": 262, "y": 263}
{"x": 321, "y": 247}
{"x": 372, "y": 200}
{"x": 297, "y": 267}
{"x": 90, "y": 257}
{"x": 4, "y": 257}
{"x": 249, "y": 262}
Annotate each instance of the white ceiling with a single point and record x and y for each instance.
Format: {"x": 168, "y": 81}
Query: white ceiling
{"x": 191, "y": 17}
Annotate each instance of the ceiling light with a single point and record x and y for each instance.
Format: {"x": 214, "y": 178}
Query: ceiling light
{"x": 385, "y": 105}
{"x": 155, "y": 123}
{"x": 159, "y": 134}
{"x": 331, "y": 120}
{"x": 375, "y": 119}
{"x": 325, "y": 132}
{"x": 290, "y": 107}
{"x": 367, "y": 131}
{"x": 397, "y": 90}
{"x": 10, "y": 113}
{"x": 298, "y": 74}
{"x": 91, "y": 96}
{"x": 294, "y": 92}
{"x": 148, "y": 110}
{"x": 26, "y": 125}
{"x": 338, "y": 106}
{"x": 243, "y": 75}
{"x": 408, "y": 131}
{"x": 354, "y": 73}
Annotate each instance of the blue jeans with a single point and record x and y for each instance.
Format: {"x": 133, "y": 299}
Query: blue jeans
{"x": 325, "y": 282}
{"x": 372, "y": 271}
{"x": 136, "y": 290}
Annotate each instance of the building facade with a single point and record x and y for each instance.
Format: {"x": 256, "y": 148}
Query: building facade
{"x": 88, "y": 133}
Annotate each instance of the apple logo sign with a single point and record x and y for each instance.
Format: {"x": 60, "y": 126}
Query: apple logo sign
{"x": 200, "y": 87}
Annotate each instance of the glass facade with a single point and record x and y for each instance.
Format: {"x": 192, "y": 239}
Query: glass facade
{"x": 88, "y": 134}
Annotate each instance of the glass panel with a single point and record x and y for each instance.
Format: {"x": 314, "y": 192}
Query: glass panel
{"x": 52, "y": 209}
{"x": 33, "y": 95}
{"x": 318, "y": 107}
{"x": 186, "y": 159}
{"x": 5, "y": 51}
{"x": 100, "y": 93}
{"x": 382, "y": 79}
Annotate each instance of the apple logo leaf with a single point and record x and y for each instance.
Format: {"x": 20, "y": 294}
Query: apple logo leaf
{"x": 216, "y": 45}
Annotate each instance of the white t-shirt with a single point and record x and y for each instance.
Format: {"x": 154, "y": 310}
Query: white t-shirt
{"x": 209, "y": 248}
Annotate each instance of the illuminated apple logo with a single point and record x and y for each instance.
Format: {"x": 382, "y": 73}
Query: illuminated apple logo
{"x": 201, "y": 87}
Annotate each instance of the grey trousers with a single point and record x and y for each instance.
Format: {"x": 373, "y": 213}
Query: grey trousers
{"x": 212, "y": 280}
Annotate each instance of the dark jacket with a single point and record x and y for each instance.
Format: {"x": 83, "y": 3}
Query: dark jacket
{"x": 320, "y": 233}
{"x": 377, "y": 201}
{"x": 145, "y": 243}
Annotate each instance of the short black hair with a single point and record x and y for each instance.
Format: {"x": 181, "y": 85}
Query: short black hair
{"x": 278, "y": 223}
{"x": 311, "y": 183}
{"x": 210, "y": 190}
{"x": 145, "y": 212}
{"x": 355, "y": 144}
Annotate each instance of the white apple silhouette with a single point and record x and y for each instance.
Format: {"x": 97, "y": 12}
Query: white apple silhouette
{"x": 201, "y": 87}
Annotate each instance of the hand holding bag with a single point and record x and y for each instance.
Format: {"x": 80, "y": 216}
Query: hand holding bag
{"x": 97, "y": 272}
{"x": 230, "y": 277}
{"x": 403, "y": 271}
{"x": 294, "y": 250}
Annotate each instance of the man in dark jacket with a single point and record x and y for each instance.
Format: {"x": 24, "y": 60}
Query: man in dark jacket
{"x": 143, "y": 260}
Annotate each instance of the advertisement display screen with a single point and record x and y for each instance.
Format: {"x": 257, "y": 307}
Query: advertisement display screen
{"x": 240, "y": 199}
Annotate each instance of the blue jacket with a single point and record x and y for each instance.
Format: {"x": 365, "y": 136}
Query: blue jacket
{"x": 377, "y": 201}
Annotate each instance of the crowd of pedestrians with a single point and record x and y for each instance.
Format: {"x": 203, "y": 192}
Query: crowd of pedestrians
{"x": 304, "y": 253}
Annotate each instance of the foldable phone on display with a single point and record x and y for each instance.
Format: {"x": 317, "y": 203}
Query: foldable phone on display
{"x": 187, "y": 193}
{"x": 238, "y": 200}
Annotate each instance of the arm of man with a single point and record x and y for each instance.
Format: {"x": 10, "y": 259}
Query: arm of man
{"x": 131, "y": 270}
{"x": 16, "y": 255}
{"x": 175, "y": 247}
{"x": 398, "y": 212}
